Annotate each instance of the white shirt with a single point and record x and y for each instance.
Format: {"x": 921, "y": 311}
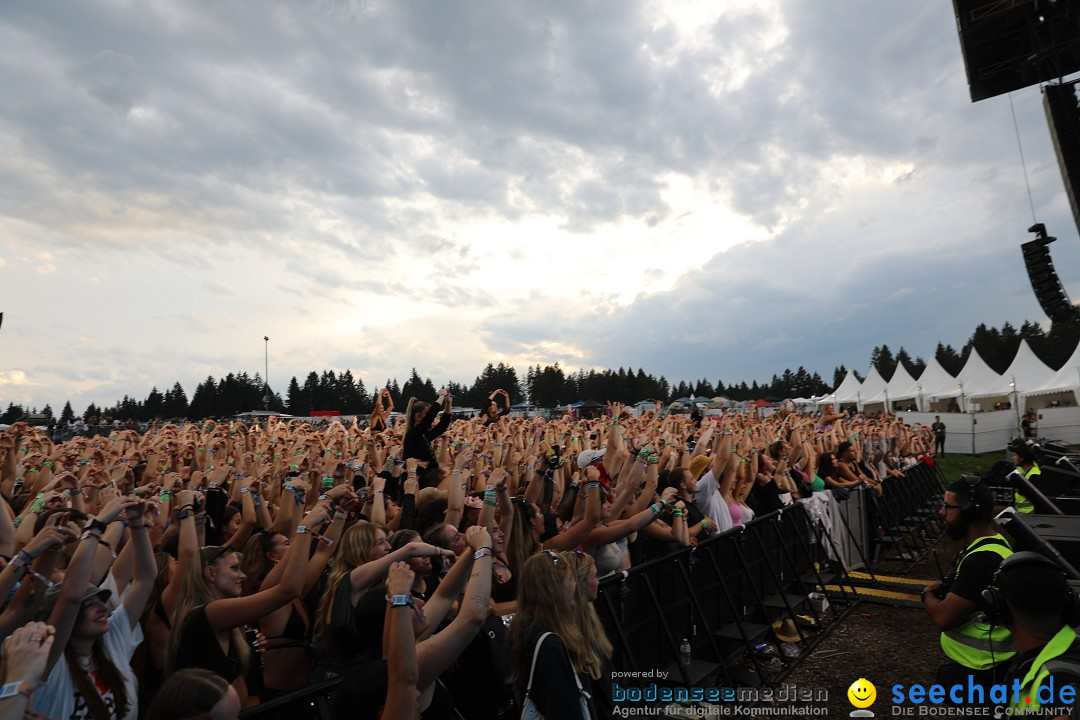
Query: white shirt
{"x": 711, "y": 503}
{"x": 58, "y": 698}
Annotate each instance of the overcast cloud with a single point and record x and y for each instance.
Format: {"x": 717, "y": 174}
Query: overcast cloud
{"x": 702, "y": 189}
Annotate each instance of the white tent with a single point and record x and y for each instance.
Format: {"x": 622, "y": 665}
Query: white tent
{"x": 872, "y": 387}
{"x": 935, "y": 382}
{"x": 975, "y": 379}
{"x": 847, "y": 392}
{"x": 901, "y": 387}
{"x": 1026, "y": 372}
{"x": 1065, "y": 380}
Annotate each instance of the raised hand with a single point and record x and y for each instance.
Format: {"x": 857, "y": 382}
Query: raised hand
{"x": 477, "y": 537}
{"x": 26, "y": 651}
{"x": 399, "y": 579}
{"x": 111, "y": 511}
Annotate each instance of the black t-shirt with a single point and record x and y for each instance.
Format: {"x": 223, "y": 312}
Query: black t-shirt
{"x": 553, "y": 690}
{"x": 976, "y": 573}
{"x": 417, "y": 442}
{"x": 767, "y": 497}
{"x": 199, "y": 648}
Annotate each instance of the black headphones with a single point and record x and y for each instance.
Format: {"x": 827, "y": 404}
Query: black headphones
{"x": 970, "y": 508}
{"x": 992, "y": 601}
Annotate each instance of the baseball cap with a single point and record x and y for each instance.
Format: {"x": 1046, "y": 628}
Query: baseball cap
{"x": 588, "y": 457}
{"x": 53, "y": 593}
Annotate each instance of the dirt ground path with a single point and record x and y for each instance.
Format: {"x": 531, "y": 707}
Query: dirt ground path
{"x": 886, "y": 645}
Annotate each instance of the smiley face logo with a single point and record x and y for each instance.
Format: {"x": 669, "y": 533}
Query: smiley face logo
{"x": 862, "y": 693}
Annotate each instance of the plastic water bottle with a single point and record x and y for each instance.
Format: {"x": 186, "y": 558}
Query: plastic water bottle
{"x": 684, "y": 652}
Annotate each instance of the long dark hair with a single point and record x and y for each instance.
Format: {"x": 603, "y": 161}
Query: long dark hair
{"x": 108, "y": 674}
{"x": 825, "y": 466}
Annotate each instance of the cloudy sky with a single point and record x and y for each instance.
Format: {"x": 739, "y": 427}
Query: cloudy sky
{"x": 700, "y": 188}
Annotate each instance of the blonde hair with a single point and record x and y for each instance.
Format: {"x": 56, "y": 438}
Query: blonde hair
{"x": 413, "y": 402}
{"x": 589, "y": 622}
{"x": 543, "y": 606}
{"x": 197, "y": 592}
{"x": 355, "y": 548}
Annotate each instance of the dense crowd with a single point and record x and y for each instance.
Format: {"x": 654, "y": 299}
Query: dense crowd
{"x": 202, "y": 568}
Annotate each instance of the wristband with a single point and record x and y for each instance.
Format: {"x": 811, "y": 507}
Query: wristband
{"x": 101, "y": 541}
{"x": 48, "y": 463}
{"x": 12, "y": 689}
{"x": 483, "y": 552}
{"x": 655, "y": 508}
{"x": 95, "y": 524}
{"x": 678, "y": 513}
{"x": 301, "y": 529}
{"x": 165, "y": 496}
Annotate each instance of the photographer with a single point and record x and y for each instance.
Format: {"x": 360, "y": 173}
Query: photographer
{"x": 974, "y": 648}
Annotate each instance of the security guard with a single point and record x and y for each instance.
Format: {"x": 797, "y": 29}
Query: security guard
{"x": 973, "y": 647}
{"x": 1024, "y": 460}
{"x": 1030, "y": 596}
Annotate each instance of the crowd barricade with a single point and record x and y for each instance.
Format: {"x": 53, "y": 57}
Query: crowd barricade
{"x": 723, "y": 596}
{"x": 315, "y": 702}
{"x": 905, "y": 521}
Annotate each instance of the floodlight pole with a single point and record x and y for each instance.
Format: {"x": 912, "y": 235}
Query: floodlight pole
{"x": 266, "y": 371}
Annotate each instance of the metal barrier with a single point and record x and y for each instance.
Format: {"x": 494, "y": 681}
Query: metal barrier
{"x": 907, "y": 515}
{"x": 723, "y": 596}
{"x": 315, "y": 702}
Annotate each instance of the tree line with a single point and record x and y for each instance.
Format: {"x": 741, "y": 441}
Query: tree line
{"x": 549, "y": 385}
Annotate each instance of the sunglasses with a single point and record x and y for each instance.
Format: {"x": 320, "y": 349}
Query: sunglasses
{"x": 553, "y": 555}
{"x": 219, "y": 551}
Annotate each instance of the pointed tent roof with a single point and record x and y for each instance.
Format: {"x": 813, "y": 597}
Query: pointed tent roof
{"x": 847, "y": 391}
{"x": 872, "y": 387}
{"x": 1026, "y": 369}
{"x": 1067, "y": 378}
{"x": 976, "y": 376}
{"x": 901, "y": 387}
{"x": 936, "y": 381}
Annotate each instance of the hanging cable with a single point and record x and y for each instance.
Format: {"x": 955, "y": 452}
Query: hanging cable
{"x": 1023, "y": 164}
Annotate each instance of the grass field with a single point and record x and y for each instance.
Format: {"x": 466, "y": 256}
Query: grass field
{"x": 953, "y": 466}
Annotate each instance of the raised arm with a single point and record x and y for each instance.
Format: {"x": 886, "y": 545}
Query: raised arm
{"x": 77, "y": 577}
{"x": 576, "y": 535}
{"x": 402, "y": 667}
{"x": 229, "y": 613}
{"x": 145, "y": 569}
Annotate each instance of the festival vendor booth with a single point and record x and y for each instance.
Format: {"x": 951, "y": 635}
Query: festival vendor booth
{"x": 1055, "y": 402}
{"x": 1060, "y": 389}
{"x": 900, "y": 387}
{"x": 933, "y": 386}
{"x": 846, "y": 394}
{"x": 1026, "y": 372}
